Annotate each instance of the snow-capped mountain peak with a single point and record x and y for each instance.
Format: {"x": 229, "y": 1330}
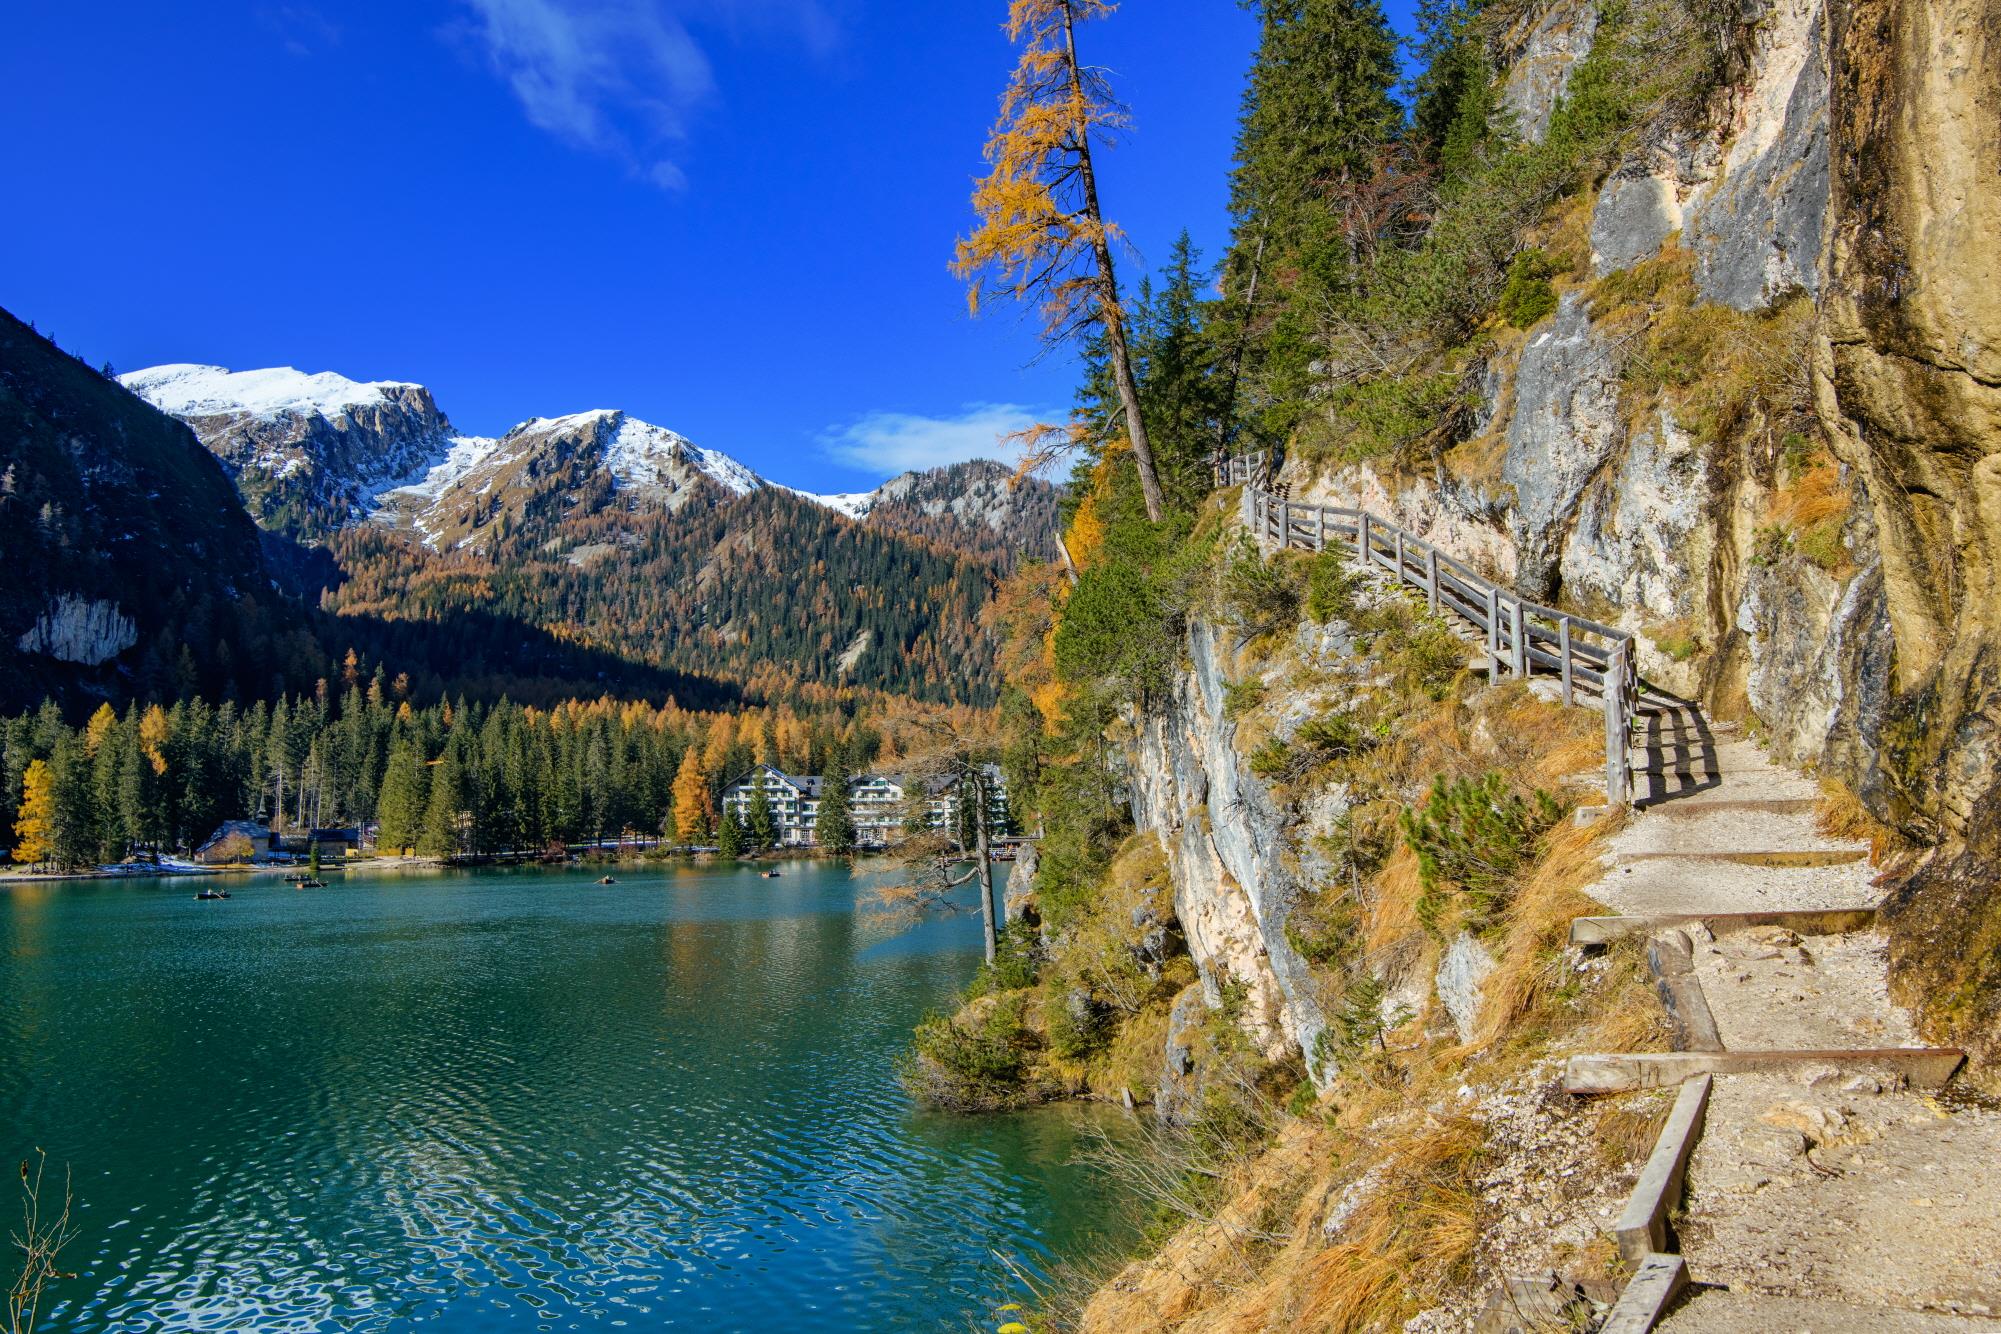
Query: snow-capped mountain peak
{"x": 188, "y": 390}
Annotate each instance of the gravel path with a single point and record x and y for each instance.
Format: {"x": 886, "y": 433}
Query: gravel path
{"x": 1832, "y": 1202}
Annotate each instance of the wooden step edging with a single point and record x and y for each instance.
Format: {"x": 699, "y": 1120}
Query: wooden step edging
{"x": 1642, "y": 1227}
{"x": 1653, "y": 1287}
{"x": 1592, "y": 931}
{"x": 1671, "y": 958}
{"x": 1621, "y": 1072}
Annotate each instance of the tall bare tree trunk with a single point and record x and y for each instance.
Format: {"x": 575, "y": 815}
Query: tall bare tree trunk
{"x": 983, "y": 849}
{"x": 1108, "y": 292}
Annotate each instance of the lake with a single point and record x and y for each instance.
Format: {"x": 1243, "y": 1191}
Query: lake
{"x": 514, "y": 1100}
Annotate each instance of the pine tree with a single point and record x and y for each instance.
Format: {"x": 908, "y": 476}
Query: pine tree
{"x": 834, "y": 829}
{"x": 1042, "y": 236}
{"x": 399, "y": 809}
{"x": 729, "y": 834}
{"x": 1317, "y": 108}
{"x": 442, "y": 835}
{"x": 763, "y": 831}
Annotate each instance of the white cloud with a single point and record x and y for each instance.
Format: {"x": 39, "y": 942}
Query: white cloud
{"x": 887, "y": 443}
{"x": 621, "y": 77}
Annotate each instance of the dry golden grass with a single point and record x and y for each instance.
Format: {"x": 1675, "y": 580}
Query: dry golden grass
{"x": 1625, "y": 1134}
{"x": 1842, "y": 815}
{"x": 1412, "y": 1235}
{"x": 1531, "y": 964}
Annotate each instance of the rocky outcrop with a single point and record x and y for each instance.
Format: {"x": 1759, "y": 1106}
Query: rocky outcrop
{"x": 307, "y": 452}
{"x": 1908, "y": 381}
{"x": 1540, "y": 55}
{"x": 88, "y": 631}
{"x": 1756, "y": 230}
{"x": 1227, "y": 848}
{"x": 1462, "y": 970}
{"x": 1909, "y": 375}
{"x": 980, "y": 508}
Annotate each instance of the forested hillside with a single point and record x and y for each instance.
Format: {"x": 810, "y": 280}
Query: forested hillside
{"x": 129, "y": 564}
{"x": 771, "y": 591}
{"x": 447, "y": 777}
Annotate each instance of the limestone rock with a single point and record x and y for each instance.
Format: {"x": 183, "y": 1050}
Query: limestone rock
{"x": 1564, "y": 427}
{"x": 1546, "y": 50}
{"x": 81, "y": 630}
{"x": 1462, "y": 970}
{"x": 1758, "y": 231}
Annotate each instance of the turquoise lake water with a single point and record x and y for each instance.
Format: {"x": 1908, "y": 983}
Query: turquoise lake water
{"x": 514, "y": 1101}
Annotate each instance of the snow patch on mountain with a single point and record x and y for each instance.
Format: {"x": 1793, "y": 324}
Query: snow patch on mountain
{"x": 641, "y": 454}
{"x": 855, "y": 504}
{"x": 465, "y": 453}
{"x": 188, "y": 390}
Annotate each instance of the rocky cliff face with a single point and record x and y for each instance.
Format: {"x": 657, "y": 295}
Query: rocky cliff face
{"x": 1908, "y": 381}
{"x": 1229, "y": 848}
{"x": 1761, "y": 429}
{"x": 308, "y": 452}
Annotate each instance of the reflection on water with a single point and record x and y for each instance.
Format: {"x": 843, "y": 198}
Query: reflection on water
{"x": 512, "y": 1100}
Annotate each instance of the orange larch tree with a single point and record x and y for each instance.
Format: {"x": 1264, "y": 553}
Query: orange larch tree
{"x": 1042, "y": 236}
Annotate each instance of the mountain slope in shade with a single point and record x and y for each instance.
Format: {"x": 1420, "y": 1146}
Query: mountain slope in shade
{"x": 126, "y": 552}
{"x": 307, "y": 452}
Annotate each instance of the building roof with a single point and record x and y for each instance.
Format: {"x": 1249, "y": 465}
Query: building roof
{"x": 249, "y": 829}
{"x": 807, "y": 784}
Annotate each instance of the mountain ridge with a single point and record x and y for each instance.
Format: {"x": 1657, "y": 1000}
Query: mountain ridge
{"x": 312, "y": 453}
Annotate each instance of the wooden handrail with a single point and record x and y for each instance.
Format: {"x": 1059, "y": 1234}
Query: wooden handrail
{"x": 1517, "y": 634}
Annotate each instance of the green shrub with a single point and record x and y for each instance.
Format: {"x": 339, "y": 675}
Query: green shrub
{"x": 1474, "y": 836}
{"x": 1014, "y": 963}
{"x": 1079, "y": 1023}
{"x": 1240, "y": 697}
{"x": 968, "y": 1067}
{"x": 1330, "y": 587}
{"x": 1333, "y": 736}
{"x": 1527, "y": 296}
{"x": 1259, "y": 596}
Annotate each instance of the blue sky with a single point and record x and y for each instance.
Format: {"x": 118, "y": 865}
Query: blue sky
{"x": 729, "y": 217}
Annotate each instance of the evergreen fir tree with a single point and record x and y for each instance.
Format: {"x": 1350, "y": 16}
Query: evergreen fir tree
{"x": 763, "y": 831}
{"x": 401, "y": 805}
{"x": 442, "y": 818}
{"x": 834, "y": 830}
{"x": 729, "y": 834}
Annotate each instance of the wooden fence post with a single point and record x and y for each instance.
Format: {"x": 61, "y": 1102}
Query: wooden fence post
{"x": 1284, "y": 524}
{"x": 1431, "y": 578}
{"x": 1362, "y": 538}
{"x": 1399, "y": 543}
{"x": 1618, "y": 774}
{"x": 1518, "y": 639}
{"x": 1493, "y": 637}
{"x": 1563, "y": 651}
{"x": 1320, "y": 541}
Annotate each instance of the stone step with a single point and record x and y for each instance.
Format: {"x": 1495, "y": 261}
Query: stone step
{"x": 1588, "y": 931}
{"x": 1723, "y": 1311}
{"x": 1731, "y": 830}
{"x": 1700, "y": 885}
{"x": 1784, "y": 859}
{"x": 1623, "y": 1072}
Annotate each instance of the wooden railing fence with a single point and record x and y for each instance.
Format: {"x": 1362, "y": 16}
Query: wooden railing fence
{"x": 1519, "y": 637}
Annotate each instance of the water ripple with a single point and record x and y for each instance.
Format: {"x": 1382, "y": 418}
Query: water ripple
{"x": 510, "y": 1102}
